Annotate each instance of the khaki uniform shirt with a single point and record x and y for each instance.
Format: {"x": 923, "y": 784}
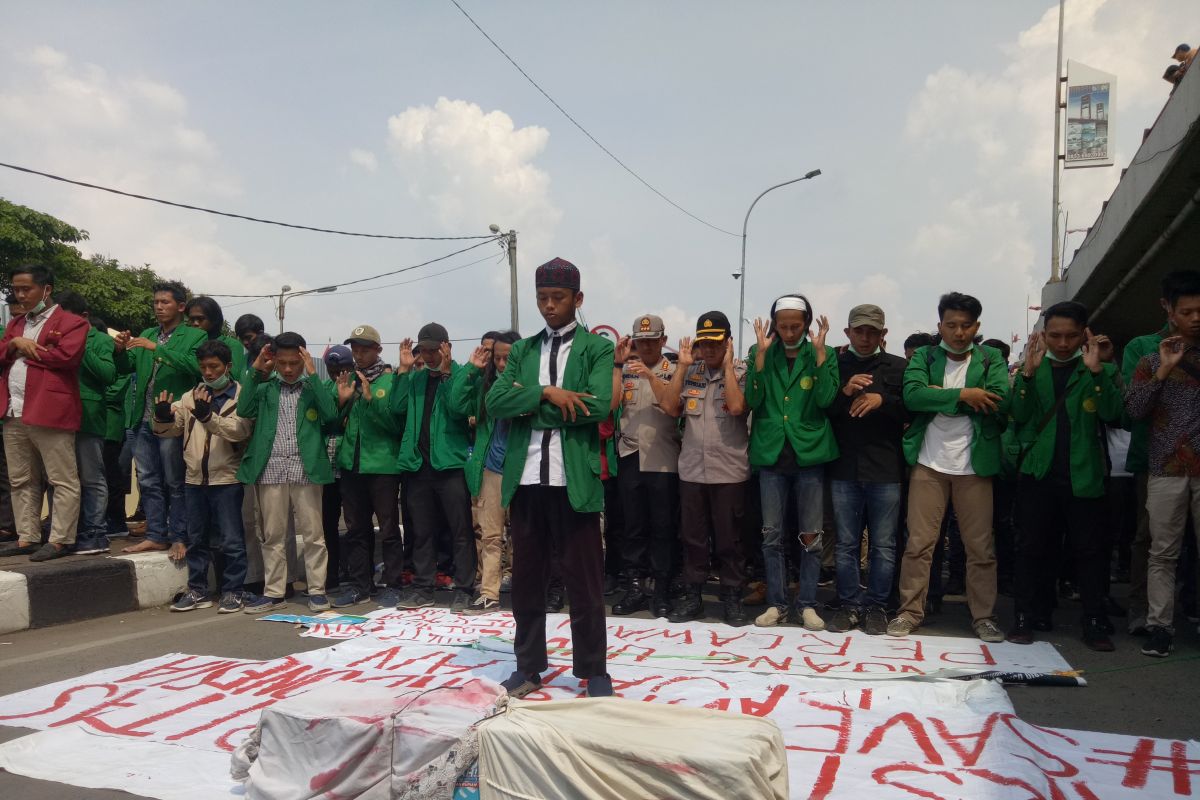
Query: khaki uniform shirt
{"x": 645, "y": 429}
{"x": 715, "y": 443}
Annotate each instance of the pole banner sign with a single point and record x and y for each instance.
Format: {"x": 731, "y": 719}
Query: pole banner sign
{"x": 1091, "y": 99}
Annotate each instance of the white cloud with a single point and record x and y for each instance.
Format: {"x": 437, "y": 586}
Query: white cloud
{"x": 364, "y": 158}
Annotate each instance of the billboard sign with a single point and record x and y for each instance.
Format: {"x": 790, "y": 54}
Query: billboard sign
{"x": 1091, "y": 95}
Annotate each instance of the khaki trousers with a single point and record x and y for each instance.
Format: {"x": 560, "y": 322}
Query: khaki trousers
{"x": 33, "y": 451}
{"x": 277, "y": 503}
{"x": 929, "y": 493}
{"x": 1167, "y": 502}
{"x": 489, "y": 534}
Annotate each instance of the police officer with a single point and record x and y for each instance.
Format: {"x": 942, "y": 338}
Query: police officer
{"x": 648, "y": 442}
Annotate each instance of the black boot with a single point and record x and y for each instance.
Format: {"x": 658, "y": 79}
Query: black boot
{"x": 555, "y": 599}
{"x": 689, "y": 607}
{"x": 1021, "y": 631}
{"x": 735, "y": 615}
{"x": 633, "y": 600}
{"x": 660, "y": 600}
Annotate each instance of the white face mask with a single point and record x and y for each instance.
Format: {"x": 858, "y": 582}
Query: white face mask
{"x": 872, "y": 354}
{"x": 41, "y": 306}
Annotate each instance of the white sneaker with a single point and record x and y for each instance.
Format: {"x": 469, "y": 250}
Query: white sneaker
{"x": 812, "y": 620}
{"x": 769, "y": 618}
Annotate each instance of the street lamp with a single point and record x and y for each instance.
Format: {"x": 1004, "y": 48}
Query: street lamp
{"x": 284, "y": 296}
{"x": 509, "y": 242}
{"x": 742, "y": 274}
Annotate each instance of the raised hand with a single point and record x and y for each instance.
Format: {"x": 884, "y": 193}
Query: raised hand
{"x": 727, "y": 361}
{"x": 265, "y": 363}
{"x": 345, "y": 388}
{"x": 447, "y": 360}
{"x": 121, "y": 340}
{"x": 162, "y": 407}
{"x": 309, "y": 367}
{"x": 822, "y": 332}
{"x": 764, "y": 341}
{"x": 639, "y": 368}
{"x": 1170, "y": 353}
{"x": 568, "y": 402}
{"x": 365, "y": 384}
{"x": 1091, "y": 351}
{"x": 685, "y": 352}
{"x": 980, "y": 400}
{"x": 407, "y": 359}
{"x": 624, "y": 347}
{"x": 202, "y": 398}
{"x": 856, "y": 384}
{"x": 481, "y": 357}
{"x": 1034, "y": 353}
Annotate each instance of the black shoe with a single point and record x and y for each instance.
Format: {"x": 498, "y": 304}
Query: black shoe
{"x": 633, "y": 600}
{"x": 1159, "y": 644}
{"x": 689, "y": 607}
{"x": 660, "y": 601}
{"x": 415, "y": 598}
{"x": 876, "y": 621}
{"x": 612, "y": 584}
{"x": 1043, "y": 624}
{"x": 461, "y": 602}
{"x": 735, "y": 614}
{"x": 845, "y": 619}
{"x": 600, "y": 686}
{"x": 519, "y": 684}
{"x": 49, "y": 552}
{"x": 1021, "y": 631}
{"x": 1112, "y": 608}
{"x": 1095, "y": 637}
{"x": 826, "y": 577}
{"x": 555, "y": 600}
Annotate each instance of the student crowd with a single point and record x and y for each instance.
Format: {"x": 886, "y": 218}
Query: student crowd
{"x": 700, "y": 464}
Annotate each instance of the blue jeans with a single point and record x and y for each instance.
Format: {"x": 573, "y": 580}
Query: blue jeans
{"x": 93, "y": 484}
{"x": 160, "y": 474}
{"x": 879, "y": 503}
{"x": 807, "y": 487}
{"x": 219, "y": 507}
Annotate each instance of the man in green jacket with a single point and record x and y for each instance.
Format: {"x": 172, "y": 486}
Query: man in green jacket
{"x": 1061, "y": 395}
{"x": 556, "y": 391}
{"x": 287, "y": 463}
{"x": 96, "y": 372}
{"x": 206, "y": 314}
{"x": 162, "y": 359}
{"x": 957, "y": 393}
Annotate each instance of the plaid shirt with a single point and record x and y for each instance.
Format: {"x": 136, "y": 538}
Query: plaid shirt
{"x": 285, "y": 464}
{"x": 150, "y": 399}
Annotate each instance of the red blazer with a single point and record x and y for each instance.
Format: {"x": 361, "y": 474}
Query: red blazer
{"x": 52, "y": 382}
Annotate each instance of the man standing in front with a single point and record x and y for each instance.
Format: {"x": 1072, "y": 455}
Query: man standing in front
{"x": 956, "y": 392}
{"x": 39, "y": 397}
{"x": 556, "y": 391}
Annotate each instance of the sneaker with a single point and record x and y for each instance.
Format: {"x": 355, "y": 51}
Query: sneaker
{"x": 192, "y": 600}
{"x": 826, "y": 577}
{"x": 519, "y": 684}
{"x": 415, "y": 598}
{"x": 264, "y": 604}
{"x": 769, "y": 618}
{"x": 901, "y": 626}
{"x": 844, "y": 619}
{"x": 876, "y": 621}
{"x": 231, "y": 603}
{"x": 1095, "y": 636}
{"x": 49, "y": 552}
{"x": 483, "y": 605}
{"x": 989, "y": 631}
{"x": 1159, "y": 644}
{"x": 91, "y": 547}
{"x": 600, "y": 686}
{"x": 349, "y": 597}
{"x": 811, "y": 620}
{"x": 20, "y": 549}
{"x": 318, "y": 602}
{"x": 461, "y": 602}
{"x": 388, "y": 598}
{"x": 1137, "y": 625}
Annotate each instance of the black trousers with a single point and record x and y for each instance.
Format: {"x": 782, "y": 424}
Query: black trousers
{"x": 331, "y": 520}
{"x": 650, "y": 501}
{"x": 1048, "y": 509}
{"x": 540, "y": 516}
{"x": 713, "y": 512}
{"x": 434, "y": 496}
{"x": 366, "y": 498}
{"x": 118, "y": 481}
{"x": 614, "y": 528}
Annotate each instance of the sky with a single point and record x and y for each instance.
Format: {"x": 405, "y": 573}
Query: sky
{"x": 931, "y": 122}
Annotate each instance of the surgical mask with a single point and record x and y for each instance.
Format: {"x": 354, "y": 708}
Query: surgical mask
{"x": 218, "y": 384}
{"x": 872, "y": 354}
{"x": 957, "y": 352}
{"x": 293, "y": 381}
{"x": 791, "y": 348}
{"x": 1050, "y": 355}
{"x": 40, "y": 307}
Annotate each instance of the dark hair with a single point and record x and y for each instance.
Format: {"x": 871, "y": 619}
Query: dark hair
{"x": 1004, "y": 348}
{"x": 98, "y": 323}
{"x": 1068, "y": 309}
{"x": 248, "y": 323}
{"x": 256, "y": 346}
{"x": 1185, "y": 47}
{"x": 957, "y": 301}
{"x": 493, "y": 335}
{"x": 289, "y": 340}
{"x": 1171, "y": 70}
{"x": 42, "y": 276}
{"x": 212, "y": 312}
{"x": 918, "y": 339}
{"x": 214, "y": 348}
{"x": 175, "y": 288}
{"x": 1184, "y": 283}
{"x": 72, "y": 301}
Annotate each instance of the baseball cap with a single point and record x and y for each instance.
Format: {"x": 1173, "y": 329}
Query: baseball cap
{"x": 363, "y": 334}
{"x": 866, "y": 314}
{"x": 338, "y": 357}
{"x": 432, "y": 335}
{"x": 648, "y": 326}
{"x": 713, "y": 326}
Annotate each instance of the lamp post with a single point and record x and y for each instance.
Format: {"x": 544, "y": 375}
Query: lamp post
{"x": 509, "y": 242}
{"x": 742, "y": 274}
{"x": 286, "y": 294}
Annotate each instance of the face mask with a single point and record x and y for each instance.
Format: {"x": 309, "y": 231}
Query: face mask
{"x": 949, "y": 349}
{"x": 219, "y": 383}
{"x": 791, "y": 348}
{"x": 41, "y": 306}
{"x": 1050, "y": 355}
{"x": 293, "y": 381}
{"x": 872, "y": 354}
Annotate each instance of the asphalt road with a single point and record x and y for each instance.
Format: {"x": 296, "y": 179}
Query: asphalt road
{"x": 1127, "y": 692}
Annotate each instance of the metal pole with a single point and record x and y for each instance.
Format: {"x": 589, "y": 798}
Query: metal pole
{"x": 742, "y": 274}
{"x": 511, "y": 242}
{"x": 1055, "y": 266}
{"x": 282, "y": 301}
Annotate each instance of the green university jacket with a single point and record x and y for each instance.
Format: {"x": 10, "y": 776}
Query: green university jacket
{"x": 1088, "y": 397}
{"x": 517, "y": 394}
{"x": 376, "y": 436}
{"x": 259, "y": 401}
{"x": 987, "y": 370}
{"x": 178, "y": 371}
{"x": 116, "y": 400}
{"x": 238, "y": 367}
{"x": 96, "y": 372}
{"x": 449, "y": 431}
{"x": 791, "y": 404}
{"x": 465, "y": 398}
{"x": 1138, "y": 460}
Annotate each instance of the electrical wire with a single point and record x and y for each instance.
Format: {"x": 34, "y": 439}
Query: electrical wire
{"x": 231, "y": 215}
{"x": 584, "y": 130}
{"x": 426, "y": 277}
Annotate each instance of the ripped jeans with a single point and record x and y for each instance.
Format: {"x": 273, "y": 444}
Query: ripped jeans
{"x": 806, "y": 489}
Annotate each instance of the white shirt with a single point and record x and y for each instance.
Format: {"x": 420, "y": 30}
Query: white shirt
{"x": 19, "y": 372}
{"x": 1118, "y": 451}
{"x": 947, "y": 444}
{"x": 532, "y": 474}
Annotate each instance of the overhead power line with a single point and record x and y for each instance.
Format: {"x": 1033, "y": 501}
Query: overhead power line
{"x": 230, "y": 214}
{"x": 584, "y": 130}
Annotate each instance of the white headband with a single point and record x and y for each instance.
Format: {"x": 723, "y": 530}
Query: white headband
{"x": 790, "y": 303}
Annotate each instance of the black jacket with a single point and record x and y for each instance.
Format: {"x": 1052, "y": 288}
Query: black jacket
{"x": 870, "y": 446}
